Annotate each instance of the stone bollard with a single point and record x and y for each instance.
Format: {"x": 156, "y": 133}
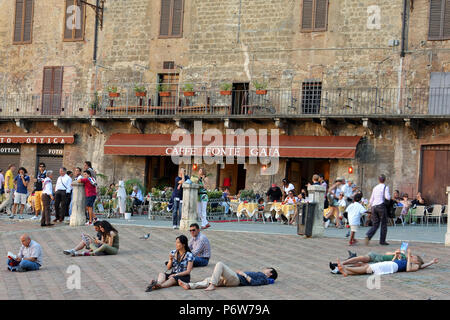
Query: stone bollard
{"x": 447, "y": 235}
{"x": 78, "y": 217}
{"x": 189, "y": 208}
{"x": 317, "y": 195}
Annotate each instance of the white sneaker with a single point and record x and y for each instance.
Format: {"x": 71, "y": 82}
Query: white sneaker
{"x": 88, "y": 223}
{"x": 34, "y": 218}
{"x": 174, "y": 227}
{"x": 327, "y": 223}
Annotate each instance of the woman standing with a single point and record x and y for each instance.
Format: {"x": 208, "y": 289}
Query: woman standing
{"x": 122, "y": 196}
{"x": 90, "y": 190}
{"x": 181, "y": 262}
{"x": 202, "y": 198}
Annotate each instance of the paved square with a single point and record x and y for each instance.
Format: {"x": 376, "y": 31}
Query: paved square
{"x": 302, "y": 266}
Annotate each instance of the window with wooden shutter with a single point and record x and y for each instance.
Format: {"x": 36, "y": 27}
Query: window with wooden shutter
{"x": 439, "y": 20}
{"x": 23, "y": 22}
{"x": 171, "y": 22}
{"x": 52, "y": 90}
{"x": 74, "y": 20}
{"x": 314, "y": 15}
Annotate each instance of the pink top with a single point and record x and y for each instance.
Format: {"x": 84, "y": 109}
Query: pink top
{"x": 89, "y": 189}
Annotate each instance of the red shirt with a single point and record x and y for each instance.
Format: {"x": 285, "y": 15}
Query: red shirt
{"x": 89, "y": 189}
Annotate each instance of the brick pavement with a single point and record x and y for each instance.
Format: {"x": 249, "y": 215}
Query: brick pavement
{"x": 302, "y": 265}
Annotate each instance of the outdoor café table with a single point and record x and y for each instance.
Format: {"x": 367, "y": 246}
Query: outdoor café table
{"x": 285, "y": 209}
{"x": 248, "y": 208}
{"x": 234, "y": 204}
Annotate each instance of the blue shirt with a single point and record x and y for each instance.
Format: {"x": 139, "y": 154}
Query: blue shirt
{"x": 138, "y": 195}
{"x": 181, "y": 266}
{"x": 258, "y": 279}
{"x": 401, "y": 265}
{"x": 178, "y": 193}
{"x": 20, "y": 187}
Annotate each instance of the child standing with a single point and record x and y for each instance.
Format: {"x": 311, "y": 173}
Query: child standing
{"x": 354, "y": 216}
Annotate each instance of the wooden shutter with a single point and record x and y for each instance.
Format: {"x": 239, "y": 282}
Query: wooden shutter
{"x": 321, "y": 15}
{"x": 446, "y": 23}
{"x": 23, "y": 21}
{"x": 79, "y": 33}
{"x": 435, "y": 21}
{"x": 52, "y": 90}
{"x": 18, "y": 21}
{"x": 177, "y": 18}
{"x": 165, "y": 17}
{"x": 67, "y": 31}
{"x": 307, "y": 15}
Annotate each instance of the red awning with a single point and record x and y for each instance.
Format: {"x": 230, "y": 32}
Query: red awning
{"x": 329, "y": 147}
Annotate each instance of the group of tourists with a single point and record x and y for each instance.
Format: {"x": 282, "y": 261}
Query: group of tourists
{"x": 20, "y": 192}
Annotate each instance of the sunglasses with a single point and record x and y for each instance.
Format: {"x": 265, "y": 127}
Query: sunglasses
{"x": 192, "y": 230}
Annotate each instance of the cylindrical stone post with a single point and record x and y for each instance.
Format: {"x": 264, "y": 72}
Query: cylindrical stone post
{"x": 447, "y": 235}
{"x": 189, "y": 207}
{"x": 78, "y": 216}
{"x": 317, "y": 195}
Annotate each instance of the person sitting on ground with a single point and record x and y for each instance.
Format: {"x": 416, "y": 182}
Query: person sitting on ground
{"x": 199, "y": 246}
{"x": 224, "y": 276}
{"x": 181, "y": 262}
{"x": 29, "y": 257}
{"x": 87, "y": 241}
{"x": 108, "y": 245}
{"x": 411, "y": 264}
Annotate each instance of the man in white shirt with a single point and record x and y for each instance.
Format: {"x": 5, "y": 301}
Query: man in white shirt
{"x": 47, "y": 196}
{"x": 29, "y": 257}
{"x": 62, "y": 188}
{"x": 348, "y": 190}
{"x": 379, "y": 210}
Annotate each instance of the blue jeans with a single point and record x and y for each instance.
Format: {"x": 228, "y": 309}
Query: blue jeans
{"x": 201, "y": 262}
{"x": 226, "y": 205}
{"x": 176, "y": 212}
{"x": 24, "y": 265}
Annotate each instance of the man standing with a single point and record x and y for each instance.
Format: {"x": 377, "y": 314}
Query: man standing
{"x": 9, "y": 189}
{"x": 47, "y": 196}
{"x": 63, "y": 187}
{"x": 2, "y": 184}
{"x": 379, "y": 210}
{"x": 29, "y": 257}
{"x": 348, "y": 191}
{"x": 40, "y": 177}
{"x": 178, "y": 198}
{"x": 199, "y": 246}
{"x": 20, "y": 196}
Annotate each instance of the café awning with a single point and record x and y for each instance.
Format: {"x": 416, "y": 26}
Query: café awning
{"x": 327, "y": 147}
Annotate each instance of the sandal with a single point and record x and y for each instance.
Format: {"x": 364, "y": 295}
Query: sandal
{"x": 150, "y": 286}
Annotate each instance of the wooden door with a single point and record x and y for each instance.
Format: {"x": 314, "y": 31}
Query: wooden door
{"x": 170, "y": 81}
{"x": 239, "y": 97}
{"x": 435, "y": 173}
{"x": 52, "y": 90}
{"x": 294, "y": 174}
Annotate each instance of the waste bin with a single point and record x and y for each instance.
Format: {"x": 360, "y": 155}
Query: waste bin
{"x": 305, "y": 218}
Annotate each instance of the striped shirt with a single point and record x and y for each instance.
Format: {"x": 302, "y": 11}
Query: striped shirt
{"x": 199, "y": 246}
{"x": 377, "y": 197}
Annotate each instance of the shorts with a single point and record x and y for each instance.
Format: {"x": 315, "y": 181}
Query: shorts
{"x": 185, "y": 279}
{"x": 354, "y": 228}
{"x": 90, "y": 201}
{"x": 375, "y": 257}
{"x": 386, "y": 267}
{"x": 20, "y": 198}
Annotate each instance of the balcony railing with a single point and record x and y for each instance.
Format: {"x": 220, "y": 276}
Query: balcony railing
{"x": 336, "y": 102}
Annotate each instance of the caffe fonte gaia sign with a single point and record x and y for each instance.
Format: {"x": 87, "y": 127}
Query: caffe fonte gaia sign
{"x": 37, "y": 139}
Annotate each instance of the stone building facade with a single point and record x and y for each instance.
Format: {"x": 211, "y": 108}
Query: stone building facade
{"x": 357, "y": 45}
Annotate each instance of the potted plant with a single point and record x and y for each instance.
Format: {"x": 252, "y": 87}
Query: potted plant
{"x": 140, "y": 91}
{"x": 226, "y": 89}
{"x": 260, "y": 87}
{"x": 112, "y": 91}
{"x": 188, "y": 90}
{"x": 163, "y": 90}
{"x": 93, "y": 106}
